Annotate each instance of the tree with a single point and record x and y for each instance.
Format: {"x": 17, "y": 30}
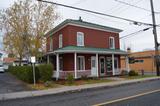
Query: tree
{"x": 26, "y": 22}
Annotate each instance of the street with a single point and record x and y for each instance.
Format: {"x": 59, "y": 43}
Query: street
{"x": 9, "y": 83}
{"x": 146, "y": 100}
{"x": 89, "y": 97}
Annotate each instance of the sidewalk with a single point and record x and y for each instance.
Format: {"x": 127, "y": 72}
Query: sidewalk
{"x": 25, "y": 94}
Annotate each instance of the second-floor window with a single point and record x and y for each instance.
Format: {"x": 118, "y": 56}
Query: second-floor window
{"x": 80, "y": 39}
{"x": 51, "y": 44}
{"x": 60, "y": 40}
{"x": 111, "y": 43}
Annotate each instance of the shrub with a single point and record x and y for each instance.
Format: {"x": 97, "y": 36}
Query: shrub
{"x": 124, "y": 72}
{"x": 45, "y": 72}
{"x": 70, "y": 79}
{"x": 84, "y": 77}
{"x": 133, "y": 73}
{"x": 24, "y": 73}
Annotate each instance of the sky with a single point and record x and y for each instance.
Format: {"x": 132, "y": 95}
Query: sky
{"x": 139, "y": 42}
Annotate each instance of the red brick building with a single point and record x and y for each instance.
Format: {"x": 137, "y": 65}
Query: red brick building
{"x": 81, "y": 48}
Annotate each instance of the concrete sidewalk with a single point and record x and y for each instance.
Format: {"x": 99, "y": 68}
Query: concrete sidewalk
{"x": 25, "y": 94}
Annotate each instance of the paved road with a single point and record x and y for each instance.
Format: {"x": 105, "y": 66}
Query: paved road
{"x": 146, "y": 100}
{"x": 85, "y": 98}
{"x": 9, "y": 83}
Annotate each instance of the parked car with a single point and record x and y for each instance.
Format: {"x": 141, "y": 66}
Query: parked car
{"x": 1, "y": 69}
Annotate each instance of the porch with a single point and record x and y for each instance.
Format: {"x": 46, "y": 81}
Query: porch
{"x": 86, "y": 62}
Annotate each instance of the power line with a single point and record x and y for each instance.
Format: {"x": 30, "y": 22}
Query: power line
{"x": 135, "y": 33}
{"x": 125, "y": 9}
{"x": 135, "y": 6}
{"x": 99, "y": 13}
{"x": 78, "y": 2}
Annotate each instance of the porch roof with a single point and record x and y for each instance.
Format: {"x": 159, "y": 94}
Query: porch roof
{"x": 82, "y": 49}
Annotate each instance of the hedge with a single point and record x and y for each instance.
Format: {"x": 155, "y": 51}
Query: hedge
{"x": 45, "y": 72}
{"x": 25, "y": 73}
{"x": 133, "y": 73}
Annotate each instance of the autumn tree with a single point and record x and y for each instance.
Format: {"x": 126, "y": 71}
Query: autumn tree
{"x": 26, "y": 22}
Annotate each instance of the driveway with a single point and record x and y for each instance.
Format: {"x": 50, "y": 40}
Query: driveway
{"x": 8, "y": 84}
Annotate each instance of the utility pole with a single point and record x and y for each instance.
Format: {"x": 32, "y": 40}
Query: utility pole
{"x": 155, "y": 39}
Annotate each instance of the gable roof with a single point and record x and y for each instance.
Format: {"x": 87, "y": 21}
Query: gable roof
{"x": 82, "y": 24}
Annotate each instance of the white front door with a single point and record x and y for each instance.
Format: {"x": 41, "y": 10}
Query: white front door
{"x": 93, "y": 66}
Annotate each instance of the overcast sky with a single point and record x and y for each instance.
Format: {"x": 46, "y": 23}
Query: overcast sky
{"x": 138, "y": 42}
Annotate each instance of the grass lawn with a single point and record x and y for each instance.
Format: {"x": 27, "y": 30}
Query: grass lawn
{"x": 138, "y": 77}
{"x": 42, "y": 86}
{"x": 82, "y": 82}
{"x": 61, "y": 83}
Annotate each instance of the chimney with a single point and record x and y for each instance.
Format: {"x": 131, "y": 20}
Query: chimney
{"x": 129, "y": 50}
{"x": 80, "y": 19}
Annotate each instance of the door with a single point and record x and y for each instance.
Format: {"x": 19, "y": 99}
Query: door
{"x": 102, "y": 66}
{"x": 93, "y": 66}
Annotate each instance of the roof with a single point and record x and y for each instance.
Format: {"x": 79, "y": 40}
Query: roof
{"x": 85, "y": 24}
{"x": 80, "y": 49}
{"x": 8, "y": 60}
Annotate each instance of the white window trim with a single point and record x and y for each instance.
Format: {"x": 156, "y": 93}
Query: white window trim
{"x": 113, "y": 43}
{"x": 60, "y": 41}
{"x": 115, "y": 58}
{"x": 83, "y": 62}
{"x": 82, "y": 34}
{"x": 51, "y": 44}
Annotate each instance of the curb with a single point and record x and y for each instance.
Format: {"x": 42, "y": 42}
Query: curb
{"x": 71, "y": 89}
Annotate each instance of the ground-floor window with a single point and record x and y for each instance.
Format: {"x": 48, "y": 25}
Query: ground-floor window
{"x": 115, "y": 62}
{"x": 80, "y": 63}
{"x": 109, "y": 63}
{"x": 60, "y": 63}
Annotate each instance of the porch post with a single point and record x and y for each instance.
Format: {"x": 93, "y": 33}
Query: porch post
{"x": 97, "y": 64}
{"x": 113, "y": 69}
{"x": 75, "y": 65}
{"x": 127, "y": 64}
{"x": 48, "y": 59}
{"x": 57, "y": 66}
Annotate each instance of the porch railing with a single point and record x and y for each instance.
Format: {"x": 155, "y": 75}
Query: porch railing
{"x": 80, "y": 73}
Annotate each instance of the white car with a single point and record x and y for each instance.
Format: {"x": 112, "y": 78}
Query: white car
{"x": 1, "y": 69}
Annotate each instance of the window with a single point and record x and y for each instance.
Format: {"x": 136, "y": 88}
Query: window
{"x": 115, "y": 63}
{"x": 51, "y": 44}
{"x": 80, "y": 63}
{"x": 80, "y": 39}
{"x": 60, "y": 63}
{"x": 111, "y": 43}
{"x": 60, "y": 41}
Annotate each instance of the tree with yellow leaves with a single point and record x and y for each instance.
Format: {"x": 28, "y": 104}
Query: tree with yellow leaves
{"x": 25, "y": 24}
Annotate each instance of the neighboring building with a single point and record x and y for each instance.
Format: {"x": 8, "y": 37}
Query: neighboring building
{"x": 148, "y": 64}
{"x": 7, "y": 61}
{"x": 23, "y": 62}
{"x": 84, "y": 49}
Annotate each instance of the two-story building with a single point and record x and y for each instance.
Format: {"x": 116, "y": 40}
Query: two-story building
{"x": 84, "y": 49}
